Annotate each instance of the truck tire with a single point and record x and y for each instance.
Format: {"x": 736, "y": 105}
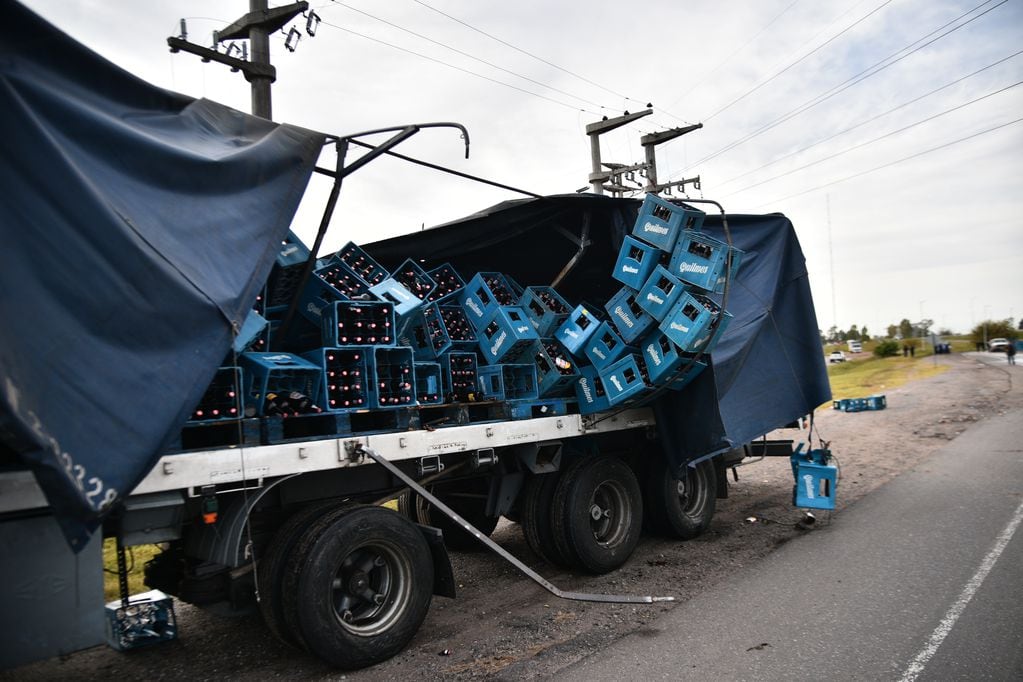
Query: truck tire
{"x": 467, "y": 498}
{"x": 598, "y": 513}
{"x": 536, "y": 520}
{"x": 271, "y": 567}
{"x": 681, "y": 509}
{"x": 363, "y": 586}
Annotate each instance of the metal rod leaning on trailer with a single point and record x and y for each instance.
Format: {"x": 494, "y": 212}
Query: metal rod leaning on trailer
{"x": 501, "y": 551}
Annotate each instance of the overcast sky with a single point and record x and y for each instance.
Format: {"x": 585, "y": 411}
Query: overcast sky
{"x": 888, "y": 131}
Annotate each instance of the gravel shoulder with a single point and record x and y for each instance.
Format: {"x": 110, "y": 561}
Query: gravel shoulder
{"x": 503, "y": 626}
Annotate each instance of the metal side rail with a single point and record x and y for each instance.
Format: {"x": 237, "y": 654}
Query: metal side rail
{"x": 501, "y": 551}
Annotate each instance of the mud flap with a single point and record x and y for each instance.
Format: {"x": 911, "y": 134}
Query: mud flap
{"x": 443, "y": 576}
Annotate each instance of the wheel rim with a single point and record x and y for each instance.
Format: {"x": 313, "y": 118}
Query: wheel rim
{"x": 691, "y": 497}
{"x": 371, "y": 588}
{"x": 609, "y": 513}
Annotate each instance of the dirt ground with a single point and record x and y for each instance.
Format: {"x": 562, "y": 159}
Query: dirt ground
{"x": 503, "y": 626}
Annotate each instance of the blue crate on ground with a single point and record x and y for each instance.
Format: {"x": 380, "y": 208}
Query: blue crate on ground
{"x": 663, "y": 359}
{"x": 659, "y": 293}
{"x": 508, "y": 382}
{"x": 222, "y": 399}
{"x": 346, "y": 377}
{"x": 425, "y": 333}
{"x": 360, "y": 262}
{"x": 459, "y": 329}
{"x": 485, "y": 292}
{"x": 628, "y": 317}
{"x": 393, "y": 377}
{"x": 590, "y": 392}
{"x": 694, "y": 323}
{"x": 358, "y": 323}
{"x": 265, "y": 374}
{"x": 577, "y": 329}
{"x": 636, "y": 260}
{"x": 148, "y": 619}
{"x": 816, "y": 479}
{"x": 604, "y": 346}
{"x": 701, "y": 260}
{"x": 546, "y": 308}
{"x": 623, "y": 380}
{"x": 505, "y": 335}
{"x": 874, "y": 402}
{"x": 660, "y": 222}
{"x": 460, "y": 374}
{"x": 556, "y": 370}
{"x": 429, "y": 386}
{"x": 448, "y": 281}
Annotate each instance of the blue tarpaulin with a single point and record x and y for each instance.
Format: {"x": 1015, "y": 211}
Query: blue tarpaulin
{"x": 138, "y": 227}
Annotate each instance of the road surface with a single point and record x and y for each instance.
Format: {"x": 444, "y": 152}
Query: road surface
{"x": 922, "y": 579}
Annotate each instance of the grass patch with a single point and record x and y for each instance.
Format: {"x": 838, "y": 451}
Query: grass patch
{"x": 862, "y": 378}
{"x": 136, "y": 558}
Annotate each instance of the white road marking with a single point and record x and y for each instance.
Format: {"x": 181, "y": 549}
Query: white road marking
{"x": 945, "y": 626}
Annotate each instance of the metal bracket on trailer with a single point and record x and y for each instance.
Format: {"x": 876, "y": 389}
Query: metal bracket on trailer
{"x": 501, "y": 551}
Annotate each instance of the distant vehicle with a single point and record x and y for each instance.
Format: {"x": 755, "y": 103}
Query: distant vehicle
{"x": 855, "y": 346}
{"x": 836, "y": 356}
{"x": 998, "y": 345}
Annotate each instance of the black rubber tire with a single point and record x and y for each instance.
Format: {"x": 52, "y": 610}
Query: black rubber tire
{"x": 467, "y": 498}
{"x": 681, "y": 509}
{"x": 364, "y": 587}
{"x": 271, "y": 567}
{"x": 598, "y": 513}
{"x": 536, "y": 519}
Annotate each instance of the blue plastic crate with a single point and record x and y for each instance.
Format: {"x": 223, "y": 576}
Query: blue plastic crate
{"x": 659, "y": 293}
{"x": 333, "y": 282}
{"x": 293, "y": 251}
{"x": 358, "y": 323}
{"x": 346, "y": 377}
{"x": 577, "y": 329}
{"x": 360, "y": 262}
{"x": 556, "y": 370}
{"x": 604, "y": 346}
{"x": 701, "y": 260}
{"x": 429, "y": 386}
{"x": 874, "y": 402}
{"x": 253, "y": 329}
{"x": 660, "y": 221}
{"x": 448, "y": 281}
{"x": 628, "y": 317}
{"x": 546, "y": 308}
{"x": 460, "y": 374}
{"x": 415, "y": 279}
{"x": 816, "y": 479}
{"x": 148, "y": 619}
{"x": 394, "y": 377}
{"x": 459, "y": 329}
{"x": 505, "y": 335}
{"x": 663, "y": 359}
{"x": 508, "y": 382}
{"x": 636, "y": 260}
{"x": 694, "y": 323}
{"x": 589, "y": 391}
{"x": 264, "y": 374}
{"x": 222, "y": 399}
{"x": 623, "y": 380}
{"x": 425, "y": 333}
{"x": 485, "y": 292}
{"x": 391, "y": 291}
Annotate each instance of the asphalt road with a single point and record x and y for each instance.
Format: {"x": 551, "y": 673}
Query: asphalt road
{"x": 921, "y": 579}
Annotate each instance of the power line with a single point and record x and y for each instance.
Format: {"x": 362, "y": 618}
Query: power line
{"x": 891, "y": 163}
{"x": 870, "y": 71}
{"x": 458, "y": 68}
{"x": 466, "y": 54}
{"x": 808, "y": 54}
{"x": 871, "y": 119}
{"x": 878, "y": 139}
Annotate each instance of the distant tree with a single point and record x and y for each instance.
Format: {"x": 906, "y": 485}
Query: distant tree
{"x": 864, "y": 336}
{"x": 893, "y": 331}
{"x": 945, "y": 331}
{"x": 853, "y": 334}
{"x": 906, "y": 329}
{"x": 995, "y": 329}
{"x": 887, "y": 348}
{"x": 833, "y": 335}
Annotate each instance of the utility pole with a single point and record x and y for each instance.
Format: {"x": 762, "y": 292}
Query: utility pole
{"x": 649, "y": 143}
{"x": 256, "y": 27}
{"x": 598, "y": 176}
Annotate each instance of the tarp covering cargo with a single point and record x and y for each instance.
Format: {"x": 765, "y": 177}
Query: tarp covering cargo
{"x": 767, "y": 370}
{"x": 138, "y": 226}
